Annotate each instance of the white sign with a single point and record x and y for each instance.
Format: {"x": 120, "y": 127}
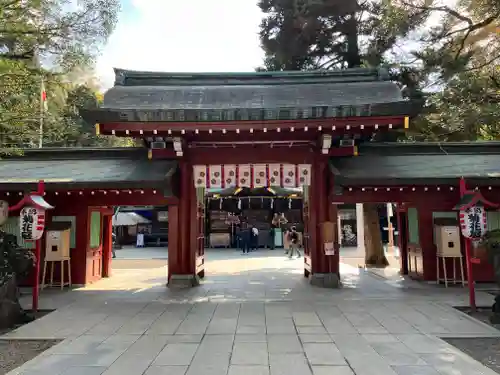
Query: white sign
{"x": 54, "y": 235}
{"x": 329, "y": 248}
{"x": 473, "y": 222}
{"x": 4, "y": 212}
{"x": 32, "y": 223}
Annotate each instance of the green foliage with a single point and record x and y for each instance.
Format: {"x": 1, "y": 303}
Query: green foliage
{"x": 446, "y": 55}
{"x": 14, "y": 260}
{"x": 491, "y": 242}
{"x": 49, "y": 40}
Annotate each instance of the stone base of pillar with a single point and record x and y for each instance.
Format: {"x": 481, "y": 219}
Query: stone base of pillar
{"x": 325, "y": 280}
{"x": 183, "y": 281}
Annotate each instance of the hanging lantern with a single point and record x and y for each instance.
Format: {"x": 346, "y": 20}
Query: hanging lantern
{"x": 473, "y": 221}
{"x": 272, "y": 203}
{"x": 32, "y": 223}
{"x": 472, "y": 214}
{"x": 239, "y": 204}
{"x": 289, "y": 203}
{"x": 4, "y": 212}
{"x": 220, "y": 204}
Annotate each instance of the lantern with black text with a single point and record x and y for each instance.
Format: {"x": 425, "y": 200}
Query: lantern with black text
{"x": 473, "y": 221}
{"x": 32, "y": 223}
{"x": 472, "y": 214}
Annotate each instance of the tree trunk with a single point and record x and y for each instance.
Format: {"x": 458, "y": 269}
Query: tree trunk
{"x": 374, "y": 249}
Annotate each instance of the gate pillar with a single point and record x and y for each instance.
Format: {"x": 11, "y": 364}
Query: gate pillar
{"x": 183, "y": 267}
{"x": 324, "y": 269}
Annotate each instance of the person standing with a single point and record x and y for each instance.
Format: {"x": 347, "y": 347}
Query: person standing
{"x": 294, "y": 243}
{"x": 255, "y": 238}
{"x": 140, "y": 239}
{"x": 245, "y": 234}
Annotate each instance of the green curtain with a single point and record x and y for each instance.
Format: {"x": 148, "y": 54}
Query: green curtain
{"x": 95, "y": 229}
{"x": 413, "y": 236}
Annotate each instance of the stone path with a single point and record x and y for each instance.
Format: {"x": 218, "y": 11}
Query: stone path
{"x": 254, "y": 315}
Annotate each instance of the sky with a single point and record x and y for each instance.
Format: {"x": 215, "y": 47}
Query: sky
{"x": 183, "y": 36}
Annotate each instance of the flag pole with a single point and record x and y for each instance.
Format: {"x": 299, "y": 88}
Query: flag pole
{"x": 42, "y": 107}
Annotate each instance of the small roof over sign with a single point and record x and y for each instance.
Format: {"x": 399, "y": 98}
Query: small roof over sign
{"x": 473, "y": 198}
{"x": 59, "y": 226}
{"x": 38, "y": 201}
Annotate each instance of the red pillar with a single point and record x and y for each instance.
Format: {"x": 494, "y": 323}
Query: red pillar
{"x": 403, "y": 239}
{"x": 174, "y": 256}
{"x": 79, "y": 255}
{"x": 324, "y": 269}
{"x": 426, "y": 239}
{"x": 183, "y": 271}
{"x": 107, "y": 249}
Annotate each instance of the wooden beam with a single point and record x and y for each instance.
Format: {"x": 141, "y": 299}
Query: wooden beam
{"x": 324, "y": 124}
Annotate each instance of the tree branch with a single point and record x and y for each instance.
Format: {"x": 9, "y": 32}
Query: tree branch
{"x": 444, "y": 9}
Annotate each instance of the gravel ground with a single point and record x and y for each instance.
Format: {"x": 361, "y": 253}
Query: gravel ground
{"x": 13, "y": 353}
{"x": 483, "y": 349}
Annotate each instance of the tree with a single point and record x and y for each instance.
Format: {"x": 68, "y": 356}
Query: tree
{"x": 458, "y": 54}
{"x": 15, "y": 264}
{"x": 44, "y": 39}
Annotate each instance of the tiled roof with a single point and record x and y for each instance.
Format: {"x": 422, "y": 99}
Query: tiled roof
{"x": 148, "y": 96}
{"x": 86, "y": 167}
{"x": 393, "y": 164}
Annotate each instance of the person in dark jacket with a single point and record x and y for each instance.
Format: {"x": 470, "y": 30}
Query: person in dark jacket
{"x": 245, "y": 234}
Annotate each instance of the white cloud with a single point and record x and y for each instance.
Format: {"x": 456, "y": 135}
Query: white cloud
{"x": 184, "y": 35}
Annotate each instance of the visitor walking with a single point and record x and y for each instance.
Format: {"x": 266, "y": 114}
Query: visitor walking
{"x": 294, "y": 243}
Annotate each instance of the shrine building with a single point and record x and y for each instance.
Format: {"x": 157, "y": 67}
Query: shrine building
{"x": 284, "y": 130}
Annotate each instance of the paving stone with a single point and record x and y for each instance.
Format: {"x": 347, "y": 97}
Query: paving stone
{"x": 129, "y": 365}
{"x": 250, "y": 354}
{"x": 252, "y": 330}
{"x": 261, "y": 320}
{"x": 310, "y": 338}
{"x": 306, "y": 319}
{"x": 284, "y": 344}
{"x": 415, "y": 370}
{"x": 332, "y": 370}
{"x": 396, "y": 353}
{"x": 166, "y": 370}
{"x": 324, "y": 354}
{"x": 84, "y": 370}
{"x": 311, "y": 329}
{"x": 222, "y": 326}
{"x": 289, "y": 364}
{"x": 248, "y": 370}
{"x": 80, "y": 345}
{"x": 176, "y": 354}
{"x": 250, "y": 338}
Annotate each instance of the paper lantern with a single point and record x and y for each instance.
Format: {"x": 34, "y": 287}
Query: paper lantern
{"x": 32, "y": 223}
{"x": 473, "y": 222}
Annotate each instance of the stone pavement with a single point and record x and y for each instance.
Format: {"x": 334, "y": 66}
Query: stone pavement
{"x": 254, "y": 315}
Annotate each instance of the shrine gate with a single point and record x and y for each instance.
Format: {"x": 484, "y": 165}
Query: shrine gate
{"x": 288, "y": 129}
